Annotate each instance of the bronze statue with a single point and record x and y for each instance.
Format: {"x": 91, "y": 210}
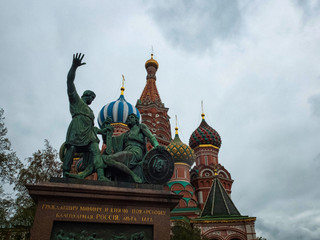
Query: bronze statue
{"x": 125, "y": 158}
{"x": 81, "y": 134}
{"x": 128, "y": 149}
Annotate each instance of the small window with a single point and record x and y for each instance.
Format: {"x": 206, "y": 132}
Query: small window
{"x": 200, "y": 197}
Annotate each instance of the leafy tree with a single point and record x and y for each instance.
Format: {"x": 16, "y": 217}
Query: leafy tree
{"x": 9, "y": 167}
{"x": 40, "y": 167}
{"x": 261, "y": 238}
{"x": 9, "y": 162}
{"x": 184, "y": 231}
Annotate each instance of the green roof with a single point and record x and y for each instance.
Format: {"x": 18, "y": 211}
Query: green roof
{"x": 195, "y": 209}
{"x": 219, "y": 202}
{"x": 180, "y": 152}
{"x": 180, "y": 218}
{"x": 183, "y": 183}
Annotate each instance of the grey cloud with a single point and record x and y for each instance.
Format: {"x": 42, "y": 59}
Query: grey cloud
{"x": 309, "y": 8}
{"x": 317, "y": 162}
{"x": 194, "y": 25}
{"x": 290, "y": 228}
{"x": 314, "y": 102}
{"x": 290, "y": 196}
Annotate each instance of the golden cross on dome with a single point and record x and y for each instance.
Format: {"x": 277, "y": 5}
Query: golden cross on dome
{"x": 152, "y": 51}
{"x": 202, "y": 114}
{"x": 176, "y": 125}
{"x": 122, "y": 88}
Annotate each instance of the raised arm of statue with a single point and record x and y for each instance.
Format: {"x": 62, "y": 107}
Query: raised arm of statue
{"x": 76, "y": 62}
{"x": 149, "y": 135}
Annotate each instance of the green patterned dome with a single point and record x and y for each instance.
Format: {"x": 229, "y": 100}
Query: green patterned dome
{"x": 180, "y": 152}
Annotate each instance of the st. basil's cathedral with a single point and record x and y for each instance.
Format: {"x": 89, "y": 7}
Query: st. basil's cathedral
{"x": 204, "y": 183}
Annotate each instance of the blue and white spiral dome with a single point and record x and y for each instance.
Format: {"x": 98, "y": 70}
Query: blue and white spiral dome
{"x": 118, "y": 110}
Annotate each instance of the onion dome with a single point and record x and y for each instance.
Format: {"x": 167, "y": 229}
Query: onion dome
{"x": 118, "y": 110}
{"x": 204, "y": 134}
{"x": 180, "y": 152}
{"x": 152, "y": 62}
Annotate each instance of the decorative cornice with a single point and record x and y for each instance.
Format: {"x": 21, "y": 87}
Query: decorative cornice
{"x": 116, "y": 124}
{"x": 181, "y": 163}
{"x": 206, "y": 145}
{"x": 249, "y": 219}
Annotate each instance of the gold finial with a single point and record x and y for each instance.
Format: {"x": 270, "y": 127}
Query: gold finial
{"x": 122, "y": 88}
{"x": 151, "y": 61}
{"x": 152, "y": 51}
{"x": 215, "y": 171}
{"x": 176, "y": 125}
{"x": 202, "y": 114}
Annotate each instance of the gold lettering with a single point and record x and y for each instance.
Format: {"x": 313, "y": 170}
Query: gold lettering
{"x": 149, "y": 212}
{"x": 62, "y": 208}
{"x": 74, "y": 216}
{"x": 119, "y": 210}
{"x": 146, "y": 219}
{"x": 107, "y": 217}
{"x": 90, "y": 209}
{"x": 129, "y": 219}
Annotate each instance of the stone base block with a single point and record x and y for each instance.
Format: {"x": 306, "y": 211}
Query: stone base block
{"x": 94, "y": 210}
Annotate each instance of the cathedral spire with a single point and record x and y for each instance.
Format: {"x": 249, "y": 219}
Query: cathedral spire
{"x": 202, "y": 114}
{"x": 150, "y": 93}
{"x": 122, "y": 87}
{"x": 154, "y": 113}
{"x": 151, "y": 66}
{"x": 176, "y": 125}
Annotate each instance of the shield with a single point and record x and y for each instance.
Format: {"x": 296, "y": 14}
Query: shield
{"x": 158, "y": 166}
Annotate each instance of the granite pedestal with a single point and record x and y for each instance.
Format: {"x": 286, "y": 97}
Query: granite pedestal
{"x": 81, "y": 209}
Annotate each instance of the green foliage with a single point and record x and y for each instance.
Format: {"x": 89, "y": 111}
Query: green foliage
{"x": 9, "y": 162}
{"x": 261, "y": 238}
{"x": 184, "y": 231}
{"x": 40, "y": 167}
{"x": 6, "y": 207}
{"x": 9, "y": 168}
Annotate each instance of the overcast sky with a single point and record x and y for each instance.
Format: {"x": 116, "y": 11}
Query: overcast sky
{"x": 255, "y": 65}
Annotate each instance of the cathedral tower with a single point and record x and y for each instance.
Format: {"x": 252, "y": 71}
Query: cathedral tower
{"x": 183, "y": 157}
{"x": 153, "y": 112}
{"x": 206, "y": 143}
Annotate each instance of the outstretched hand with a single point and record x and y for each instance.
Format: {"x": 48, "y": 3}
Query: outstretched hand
{"x": 77, "y": 60}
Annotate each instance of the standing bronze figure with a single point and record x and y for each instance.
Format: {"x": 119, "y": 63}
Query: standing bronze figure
{"x": 81, "y": 134}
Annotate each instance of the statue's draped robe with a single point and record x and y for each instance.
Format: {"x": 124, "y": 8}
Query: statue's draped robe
{"x": 137, "y": 147}
{"x": 81, "y": 129}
